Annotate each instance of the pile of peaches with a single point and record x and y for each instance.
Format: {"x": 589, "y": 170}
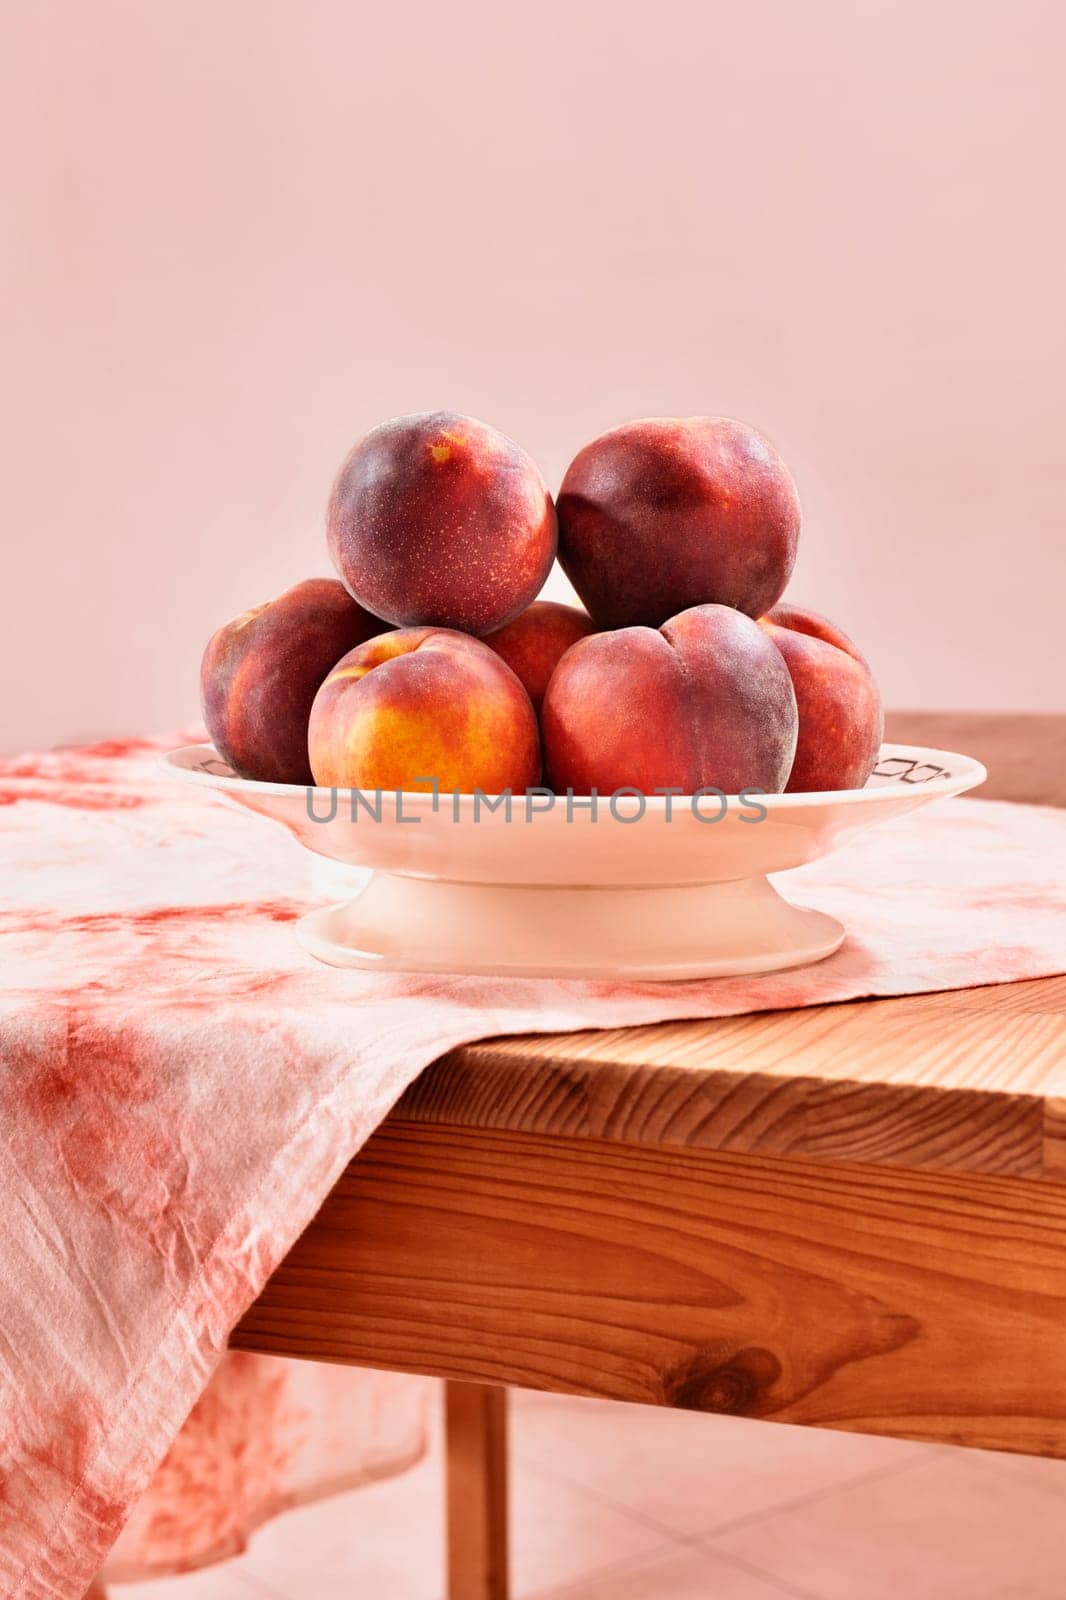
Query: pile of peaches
{"x": 431, "y": 661}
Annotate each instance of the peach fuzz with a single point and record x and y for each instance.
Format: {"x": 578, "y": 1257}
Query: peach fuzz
{"x": 706, "y": 701}
{"x": 841, "y": 721}
{"x": 536, "y": 641}
{"x": 439, "y": 519}
{"x": 672, "y": 512}
{"x": 422, "y": 704}
{"x": 260, "y": 673}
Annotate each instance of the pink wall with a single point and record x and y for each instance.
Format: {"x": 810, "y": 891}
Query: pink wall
{"x": 244, "y": 230}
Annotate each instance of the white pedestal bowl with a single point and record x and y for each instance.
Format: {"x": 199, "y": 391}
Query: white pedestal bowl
{"x": 650, "y": 887}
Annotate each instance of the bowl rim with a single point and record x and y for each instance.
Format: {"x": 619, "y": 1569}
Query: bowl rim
{"x": 964, "y": 772}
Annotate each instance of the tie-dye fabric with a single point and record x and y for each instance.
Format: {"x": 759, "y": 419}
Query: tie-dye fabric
{"x": 267, "y": 1434}
{"x": 180, "y": 1086}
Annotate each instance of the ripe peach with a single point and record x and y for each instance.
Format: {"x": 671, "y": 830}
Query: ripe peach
{"x": 439, "y": 519}
{"x": 668, "y": 513}
{"x": 260, "y": 673}
{"x": 424, "y": 703}
{"x": 701, "y": 702}
{"x": 841, "y": 722}
{"x": 536, "y": 641}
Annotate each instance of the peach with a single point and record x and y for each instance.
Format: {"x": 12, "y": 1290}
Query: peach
{"x": 841, "y": 722}
{"x": 661, "y": 515}
{"x": 536, "y": 641}
{"x": 705, "y": 701}
{"x": 261, "y": 671}
{"x": 439, "y": 519}
{"x": 422, "y": 704}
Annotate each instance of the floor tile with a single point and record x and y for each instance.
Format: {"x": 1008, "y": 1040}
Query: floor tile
{"x": 950, "y": 1529}
{"x": 691, "y": 1474}
{"x": 692, "y": 1575}
{"x": 387, "y": 1535}
{"x": 223, "y": 1582}
{"x": 386, "y": 1540}
{"x": 1038, "y": 1473}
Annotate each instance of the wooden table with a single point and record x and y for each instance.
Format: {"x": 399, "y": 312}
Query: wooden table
{"x": 848, "y": 1216}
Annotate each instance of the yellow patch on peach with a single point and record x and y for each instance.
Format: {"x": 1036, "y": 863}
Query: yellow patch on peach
{"x": 374, "y": 653}
{"x": 450, "y": 711}
{"x": 408, "y": 747}
{"x": 443, "y": 452}
{"x": 349, "y": 672}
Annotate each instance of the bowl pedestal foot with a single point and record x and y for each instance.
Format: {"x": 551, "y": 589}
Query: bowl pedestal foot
{"x": 656, "y": 934}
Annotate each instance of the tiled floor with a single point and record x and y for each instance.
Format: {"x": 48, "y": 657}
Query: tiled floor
{"x": 629, "y": 1503}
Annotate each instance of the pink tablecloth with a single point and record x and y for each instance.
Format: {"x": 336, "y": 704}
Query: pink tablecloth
{"x": 180, "y": 1087}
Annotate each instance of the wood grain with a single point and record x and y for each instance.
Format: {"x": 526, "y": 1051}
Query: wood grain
{"x": 1025, "y": 752}
{"x": 475, "y": 1431}
{"x": 921, "y": 1304}
{"x": 970, "y": 1081}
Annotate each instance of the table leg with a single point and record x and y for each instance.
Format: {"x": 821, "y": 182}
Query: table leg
{"x": 475, "y": 1429}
